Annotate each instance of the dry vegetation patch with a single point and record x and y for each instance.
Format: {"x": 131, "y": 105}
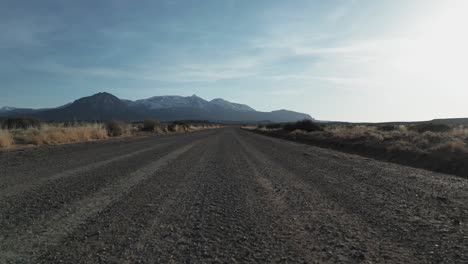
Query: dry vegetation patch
{"x": 437, "y": 147}
{"x": 28, "y": 131}
{"x": 51, "y": 134}
{"x": 425, "y": 138}
{"x": 175, "y": 127}
{"x": 6, "y": 140}
{"x": 401, "y": 137}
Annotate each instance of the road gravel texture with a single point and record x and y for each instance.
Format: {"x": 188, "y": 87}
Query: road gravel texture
{"x": 224, "y": 196}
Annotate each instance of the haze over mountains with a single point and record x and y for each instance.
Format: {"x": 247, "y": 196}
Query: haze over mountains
{"x": 105, "y": 106}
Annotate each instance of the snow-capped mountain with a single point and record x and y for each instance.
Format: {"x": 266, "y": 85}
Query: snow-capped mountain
{"x": 231, "y": 106}
{"x": 14, "y": 111}
{"x": 105, "y": 106}
{"x": 172, "y": 101}
{"x": 7, "y": 109}
{"x": 175, "y": 101}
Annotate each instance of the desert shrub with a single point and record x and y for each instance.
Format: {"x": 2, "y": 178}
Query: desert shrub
{"x": 431, "y": 127}
{"x": 180, "y": 123}
{"x": 114, "y": 129}
{"x": 172, "y": 127}
{"x": 178, "y": 127}
{"x": 274, "y": 126}
{"x": 401, "y": 145}
{"x": 388, "y": 128}
{"x": 451, "y": 145}
{"x": 432, "y": 137}
{"x": 20, "y": 123}
{"x": 161, "y": 128}
{"x": 6, "y": 140}
{"x": 351, "y": 132}
{"x": 459, "y": 131}
{"x": 289, "y": 127}
{"x": 184, "y": 128}
{"x": 150, "y": 125}
{"x": 304, "y": 125}
{"x": 69, "y": 123}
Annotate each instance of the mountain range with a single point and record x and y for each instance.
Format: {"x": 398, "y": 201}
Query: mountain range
{"x": 105, "y": 106}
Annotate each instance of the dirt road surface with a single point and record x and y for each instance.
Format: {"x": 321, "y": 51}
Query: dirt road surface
{"x": 224, "y": 196}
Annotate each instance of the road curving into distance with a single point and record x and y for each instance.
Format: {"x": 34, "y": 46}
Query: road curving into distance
{"x": 227, "y": 196}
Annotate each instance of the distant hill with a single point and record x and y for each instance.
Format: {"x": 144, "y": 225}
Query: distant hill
{"x": 8, "y": 110}
{"x": 105, "y": 106}
{"x": 451, "y": 121}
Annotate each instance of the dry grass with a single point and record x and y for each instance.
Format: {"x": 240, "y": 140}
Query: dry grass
{"x": 6, "y": 140}
{"x": 347, "y": 132}
{"x": 400, "y": 138}
{"x": 60, "y": 134}
{"x": 249, "y": 127}
{"x": 200, "y": 127}
{"x": 403, "y": 138}
{"x": 63, "y": 133}
{"x": 182, "y": 128}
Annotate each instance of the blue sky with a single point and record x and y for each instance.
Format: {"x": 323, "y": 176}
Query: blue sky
{"x": 354, "y": 60}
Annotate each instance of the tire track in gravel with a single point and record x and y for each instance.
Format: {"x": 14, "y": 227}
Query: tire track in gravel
{"x": 324, "y": 230}
{"x": 409, "y": 215}
{"x": 108, "y": 236}
{"x": 26, "y": 246}
{"x": 158, "y": 226}
{"x": 411, "y": 183}
{"x": 23, "y": 166}
{"x": 215, "y": 217}
{"x": 16, "y": 189}
{"x": 231, "y": 225}
{"x": 27, "y": 165}
{"x": 20, "y": 211}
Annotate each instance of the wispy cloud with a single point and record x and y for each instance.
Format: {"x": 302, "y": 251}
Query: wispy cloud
{"x": 27, "y": 32}
{"x": 179, "y": 73}
{"x": 239, "y": 66}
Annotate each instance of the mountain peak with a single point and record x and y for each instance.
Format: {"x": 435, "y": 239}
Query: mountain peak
{"x": 100, "y": 100}
{"x": 105, "y": 106}
{"x": 103, "y": 94}
{"x": 231, "y": 106}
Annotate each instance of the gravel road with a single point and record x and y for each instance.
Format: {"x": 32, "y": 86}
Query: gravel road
{"x": 224, "y": 196}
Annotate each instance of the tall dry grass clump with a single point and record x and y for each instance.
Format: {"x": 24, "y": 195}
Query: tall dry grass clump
{"x": 117, "y": 129}
{"x": 150, "y": 125}
{"x": 356, "y": 132}
{"x": 304, "y": 125}
{"x": 6, "y": 139}
{"x": 60, "y": 134}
